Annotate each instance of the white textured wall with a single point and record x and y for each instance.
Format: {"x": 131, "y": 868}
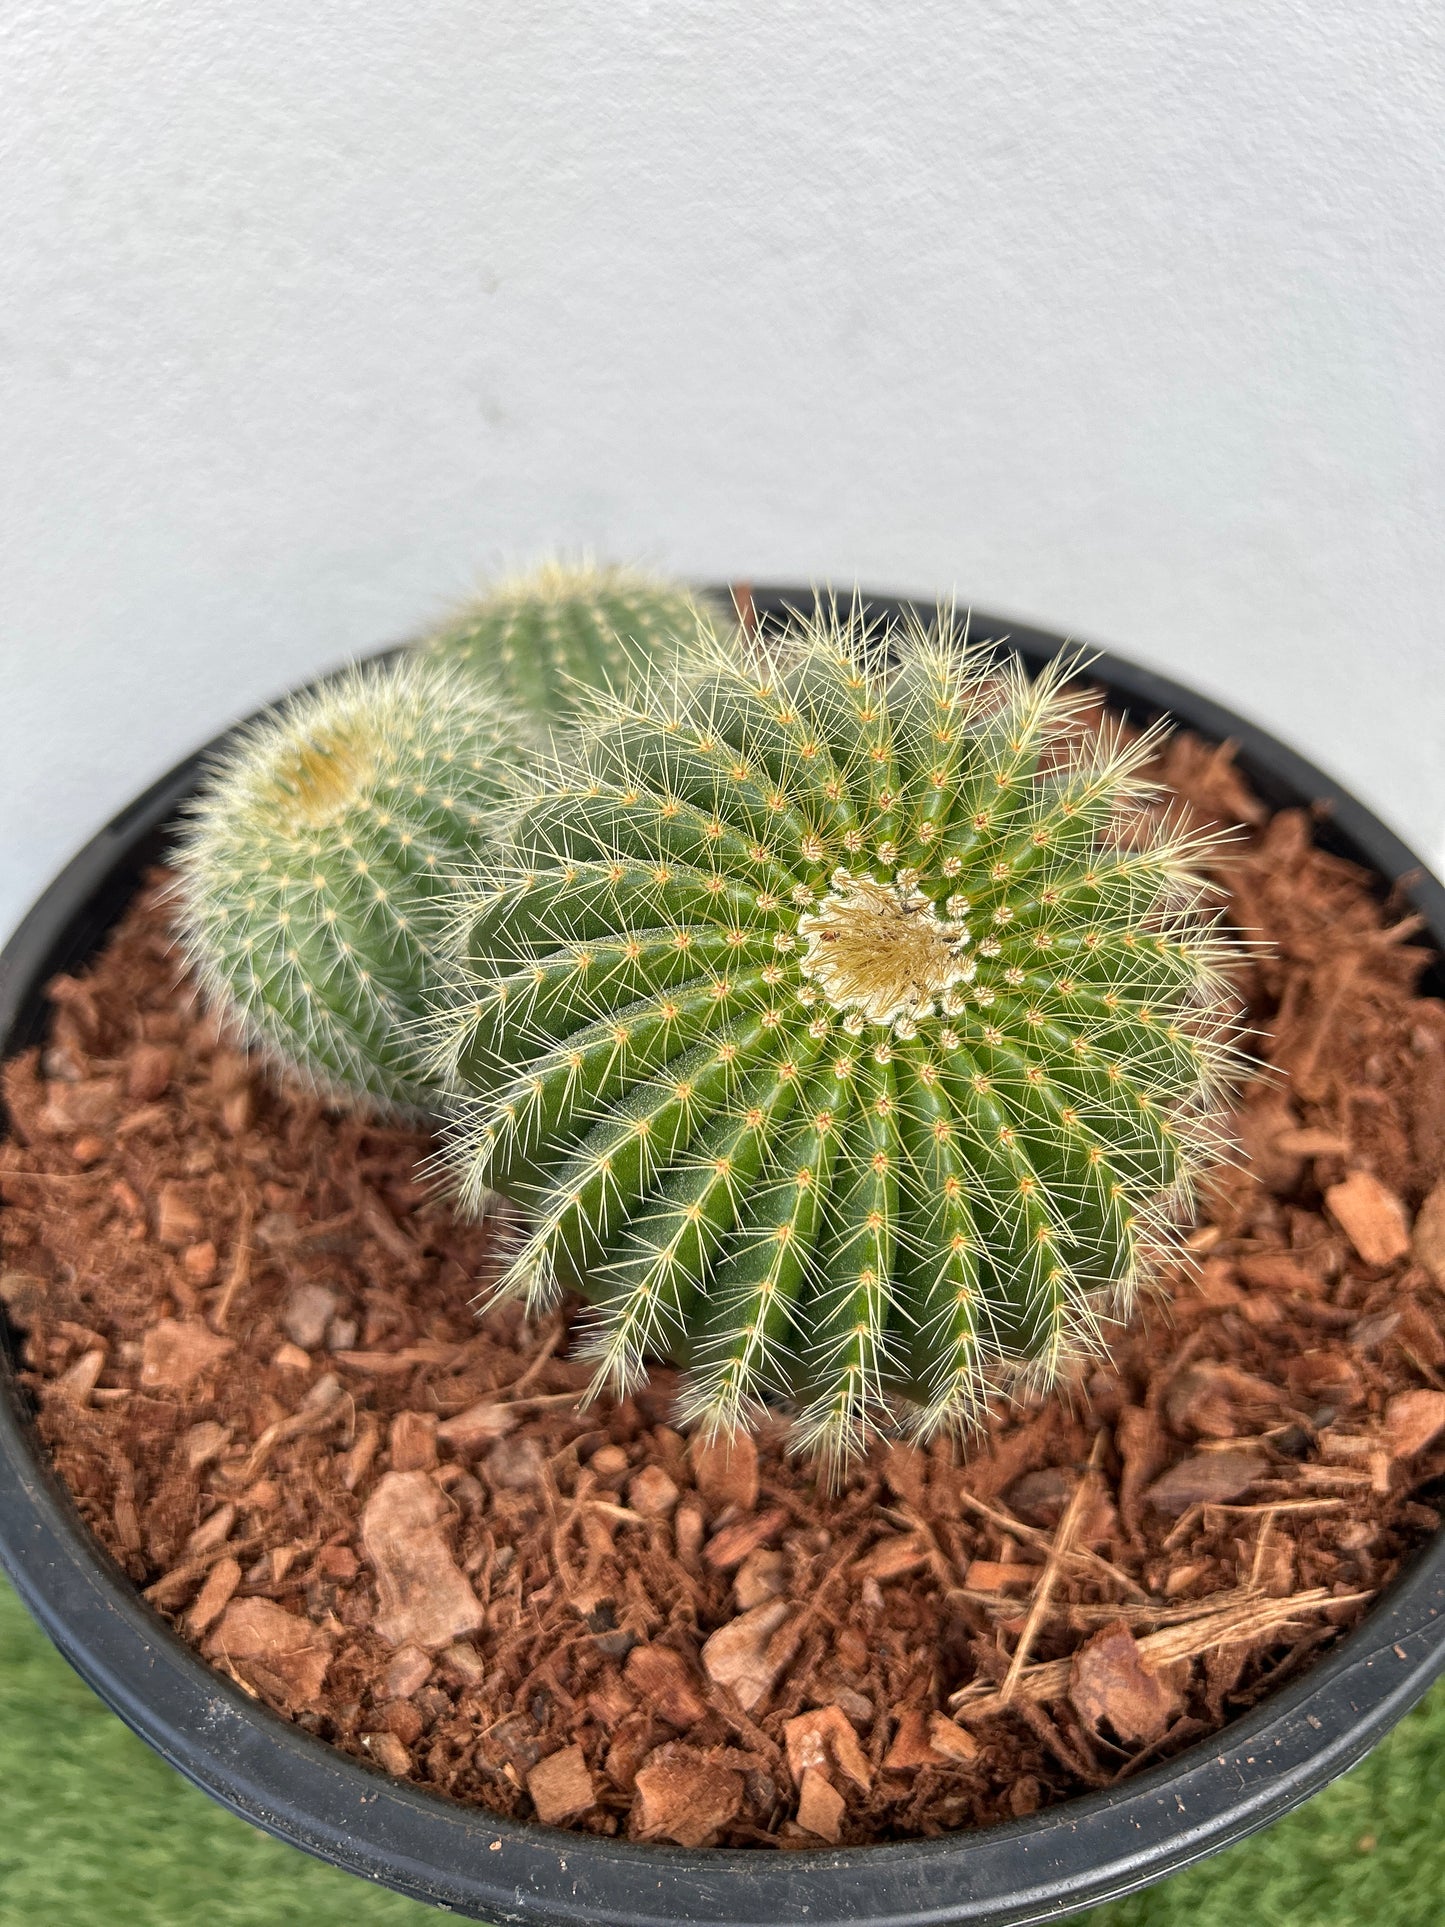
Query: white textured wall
{"x": 1128, "y": 317}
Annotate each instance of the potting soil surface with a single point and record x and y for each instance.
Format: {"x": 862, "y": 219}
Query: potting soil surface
{"x": 247, "y": 1327}
{"x": 96, "y": 1831}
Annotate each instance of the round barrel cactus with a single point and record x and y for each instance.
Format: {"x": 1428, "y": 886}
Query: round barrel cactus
{"x": 547, "y": 637}
{"x": 316, "y": 874}
{"x": 854, "y": 1028}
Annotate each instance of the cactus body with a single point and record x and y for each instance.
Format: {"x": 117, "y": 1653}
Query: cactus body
{"x": 852, "y": 1040}
{"x": 546, "y": 637}
{"x": 314, "y": 878}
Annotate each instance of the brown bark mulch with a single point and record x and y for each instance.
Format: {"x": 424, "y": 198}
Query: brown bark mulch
{"x": 246, "y": 1324}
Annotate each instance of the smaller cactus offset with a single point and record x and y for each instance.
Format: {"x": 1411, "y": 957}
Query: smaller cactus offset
{"x": 546, "y": 637}
{"x": 855, "y": 1038}
{"x": 315, "y": 875}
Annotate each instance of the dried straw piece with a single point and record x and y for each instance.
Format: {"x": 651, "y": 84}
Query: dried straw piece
{"x": 1086, "y": 1613}
{"x": 1079, "y": 1557}
{"x": 1238, "y": 1618}
{"x": 1043, "y": 1592}
{"x": 238, "y": 1277}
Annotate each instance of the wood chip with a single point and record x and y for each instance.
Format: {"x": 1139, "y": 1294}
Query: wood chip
{"x": 275, "y": 1566}
{"x": 258, "y": 1636}
{"x": 820, "y": 1805}
{"x": 405, "y": 1720}
{"x": 387, "y": 1750}
{"x": 213, "y": 1598}
{"x": 199, "y": 1263}
{"x": 1312, "y": 1142}
{"x": 423, "y": 1598}
{"x": 1322, "y": 1375}
{"x": 905, "y": 1472}
{"x": 1210, "y": 1399}
{"x": 1203, "y": 1478}
{"x": 393, "y": 1364}
{"x": 825, "y": 1738}
{"x": 633, "y": 1741}
{"x": 356, "y": 1462}
{"x": 726, "y": 1471}
{"x": 412, "y": 1445}
{"x": 142, "y": 1120}
{"x": 990, "y": 1575}
{"x": 661, "y": 1680}
{"x": 80, "y": 1380}
{"x": 205, "y": 1443}
{"x": 513, "y": 1465}
{"x": 1428, "y": 1240}
{"x": 738, "y": 1654}
{"x": 762, "y": 1575}
{"x": 893, "y": 1556}
{"x": 651, "y": 1493}
{"x": 178, "y": 1216}
{"x": 175, "y": 1353}
{"x": 561, "y": 1786}
{"x": 1421, "y": 1336}
{"x": 1139, "y": 1440}
{"x": 24, "y": 1293}
{"x": 408, "y": 1670}
{"x": 1371, "y": 1217}
{"x": 730, "y": 1546}
{"x": 307, "y": 1312}
{"x": 148, "y": 1074}
{"x": 382, "y": 1226}
{"x": 686, "y": 1800}
{"x": 948, "y": 1740}
{"x": 1112, "y": 1684}
{"x": 1412, "y": 1420}
{"x": 1276, "y": 1271}
{"x": 338, "y": 1562}
{"x": 213, "y": 1532}
{"x": 688, "y": 1526}
{"x": 910, "y": 1747}
{"x": 480, "y": 1425}
{"x": 92, "y": 1103}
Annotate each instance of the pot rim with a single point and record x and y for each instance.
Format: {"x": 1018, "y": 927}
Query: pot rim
{"x": 470, "y": 1861}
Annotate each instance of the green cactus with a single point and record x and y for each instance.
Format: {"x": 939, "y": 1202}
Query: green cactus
{"x": 315, "y": 876}
{"x": 855, "y": 1042}
{"x": 548, "y": 636}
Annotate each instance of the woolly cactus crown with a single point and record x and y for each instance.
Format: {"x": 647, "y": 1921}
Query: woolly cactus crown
{"x": 853, "y": 1036}
{"x": 549, "y": 635}
{"x": 315, "y": 874}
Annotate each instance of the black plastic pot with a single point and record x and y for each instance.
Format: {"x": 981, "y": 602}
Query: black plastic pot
{"x": 485, "y": 1868}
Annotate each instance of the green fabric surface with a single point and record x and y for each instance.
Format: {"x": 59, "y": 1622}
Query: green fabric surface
{"x": 96, "y": 1832}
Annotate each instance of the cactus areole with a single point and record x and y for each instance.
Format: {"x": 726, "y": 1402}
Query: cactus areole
{"x": 853, "y": 1037}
